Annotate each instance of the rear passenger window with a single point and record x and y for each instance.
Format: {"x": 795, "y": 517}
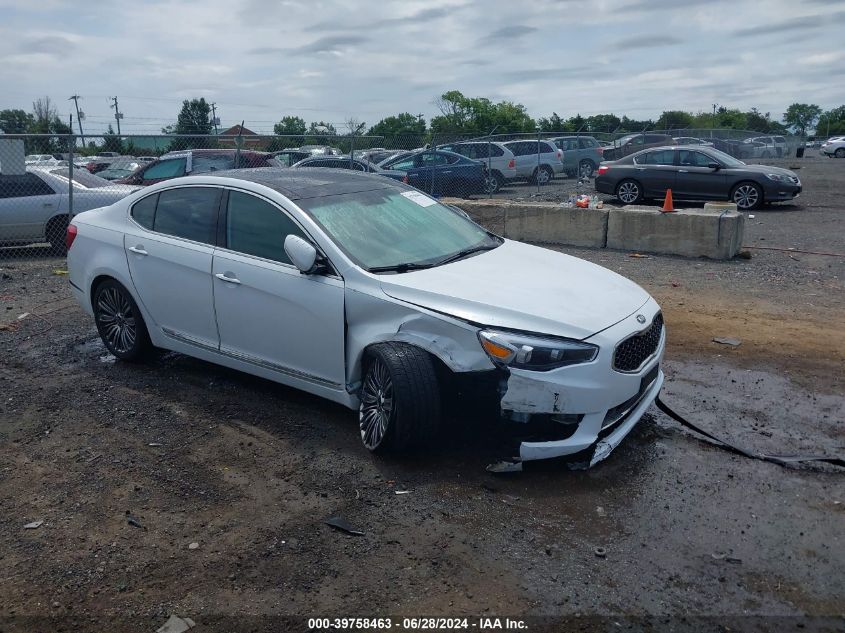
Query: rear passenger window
{"x": 143, "y": 211}
{"x": 256, "y": 227}
{"x": 188, "y": 212}
{"x": 23, "y": 185}
{"x": 206, "y": 164}
{"x": 663, "y": 157}
{"x": 587, "y": 143}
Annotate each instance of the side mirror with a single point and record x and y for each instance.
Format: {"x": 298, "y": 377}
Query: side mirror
{"x": 301, "y": 253}
{"x": 714, "y": 166}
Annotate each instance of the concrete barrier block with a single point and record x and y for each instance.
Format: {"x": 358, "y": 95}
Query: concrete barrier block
{"x": 542, "y": 223}
{"x": 687, "y": 232}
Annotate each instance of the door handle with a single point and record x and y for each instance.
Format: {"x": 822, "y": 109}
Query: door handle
{"x": 47, "y": 205}
{"x": 138, "y": 250}
{"x": 231, "y": 280}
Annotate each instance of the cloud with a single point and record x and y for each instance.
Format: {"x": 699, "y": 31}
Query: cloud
{"x": 547, "y": 74}
{"x": 804, "y": 23}
{"x": 650, "y": 40}
{"x": 420, "y": 17}
{"x": 334, "y": 44}
{"x": 640, "y": 6}
{"x": 58, "y": 45}
{"x": 508, "y": 33}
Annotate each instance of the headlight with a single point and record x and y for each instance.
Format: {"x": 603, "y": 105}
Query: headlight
{"x": 535, "y": 353}
{"x": 778, "y": 177}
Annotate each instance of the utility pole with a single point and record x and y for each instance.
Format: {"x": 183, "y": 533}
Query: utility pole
{"x": 118, "y": 115}
{"x": 79, "y": 115}
{"x": 214, "y": 118}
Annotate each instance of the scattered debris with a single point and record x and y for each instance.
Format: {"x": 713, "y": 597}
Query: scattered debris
{"x": 34, "y": 525}
{"x": 734, "y": 560}
{"x": 744, "y": 254}
{"x": 601, "y": 512}
{"x": 133, "y": 521}
{"x": 59, "y": 271}
{"x": 402, "y": 492}
{"x": 733, "y": 342}
{"x": 339, "y": 523}
{"x": 155, "y": 444}
{"x": 638, "y": 256}
{"x": 21, "y": 317}
{"x": 600, "y": 552}
{"x": 751, "y": 216}
{"x": 194, "y": 545}
{"x": 505, "y": 467}
{"x": 175, "y": 624}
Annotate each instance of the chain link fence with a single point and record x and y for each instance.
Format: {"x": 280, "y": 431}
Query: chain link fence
{"x": 46, "y": 179}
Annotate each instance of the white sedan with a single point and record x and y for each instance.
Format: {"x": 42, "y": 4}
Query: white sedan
{"x": 34, "y": 206}
{"x": 371, "y": 294}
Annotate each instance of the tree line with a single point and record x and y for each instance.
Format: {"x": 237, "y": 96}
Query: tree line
{"x": 460, "y": 116}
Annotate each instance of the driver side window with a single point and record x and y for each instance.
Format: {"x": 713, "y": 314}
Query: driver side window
{"x": 257, "y": 227}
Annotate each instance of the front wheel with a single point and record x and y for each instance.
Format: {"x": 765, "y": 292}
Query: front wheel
{"x": 629, "y": 192}
{"x": 493, "y": 182}
{"x": 840, "y": 153}
{"x": 544, "y": 175}
{"x": 747, "y": 196}
{"x": 400, "y": 398}
{"x": 586, "y": 168}
{"x": 119, "y": 322}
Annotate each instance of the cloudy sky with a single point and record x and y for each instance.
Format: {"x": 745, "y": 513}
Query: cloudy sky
{"x": 334, "y": 59}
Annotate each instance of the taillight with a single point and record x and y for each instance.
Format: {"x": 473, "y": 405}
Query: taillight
{"x": 405, "y": 179}
{"x": 70, "y": 236}
{"x": 512, "y": 163}
{"x": 559, "y": 153}
{"x": 603, "y": 169}
{"x": 90, "y": 166}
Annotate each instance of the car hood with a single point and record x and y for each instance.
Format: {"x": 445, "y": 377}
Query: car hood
{"x": 521, "y": 287}
{"x": 768, "y": 169}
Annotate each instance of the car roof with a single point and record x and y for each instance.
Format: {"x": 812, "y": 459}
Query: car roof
{"x": 299, "y": 184}
{"x": 210, "y": 152}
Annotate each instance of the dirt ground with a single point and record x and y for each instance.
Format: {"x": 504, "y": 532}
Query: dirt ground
{"x": 249, "y": 470}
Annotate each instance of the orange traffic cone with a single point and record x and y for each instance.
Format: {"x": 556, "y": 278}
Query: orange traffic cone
{"x": 668, "y": 207}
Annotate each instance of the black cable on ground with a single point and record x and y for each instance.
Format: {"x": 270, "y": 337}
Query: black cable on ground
{"x": 782, "y": 460}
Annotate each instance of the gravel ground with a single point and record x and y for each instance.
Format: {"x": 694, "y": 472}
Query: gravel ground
{"x": 248, "y": 470}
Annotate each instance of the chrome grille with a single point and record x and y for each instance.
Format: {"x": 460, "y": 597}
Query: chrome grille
{"x": 635, "y": 350}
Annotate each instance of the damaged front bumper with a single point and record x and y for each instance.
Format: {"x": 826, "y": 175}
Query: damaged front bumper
{"x": 587, "y": 409}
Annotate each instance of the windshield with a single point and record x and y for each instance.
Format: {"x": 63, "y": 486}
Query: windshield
{"x": 727, "y": 159}
{"x": 390, "y": 227}
{"x": 82, "y": 178}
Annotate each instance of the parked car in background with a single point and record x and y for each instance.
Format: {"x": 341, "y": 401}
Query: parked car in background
{"x": 634, "y": 143}
{"x": 395, "y": 156}
{"x": 536, "y": 161}
{"x": 40, "y": 160}
{"x": 118, "y": 170}
{"x": 691, "y": 140}
{"x": 834, "y": 146}
{"x": 771, "y": 146}
{"x": 321, "y": 149}
{"x": 377, "y": 156}
{"x": 438, "y": 172}
{"x": 695, "y": 173}
{"x": 146, "y": 159}
{"x": 197, "y": 161}
{"x": 338, "y": 162}
{"x": 288, "y": 157}
{"x": 374, "y": 296}
{"x": 581, "y": 154}
{"x": 499, "y": 159}
{"x": 104, "y": 160}
{"x": 34, "y": 205}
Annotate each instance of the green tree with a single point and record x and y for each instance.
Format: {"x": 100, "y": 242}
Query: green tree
{"x": 401, "y": 131}
{"x": 194, "y": 119}
{"x": 476, "y": 116}
{"x": 15, "y": 121}
{"x": 800, "y": 116}
{"x": 45, "y": 120}
{"x": 673, "y": 120}
{"x": 831, "y": 123}
{"x": 111, "y": 142}
{"x": 551, "y": 124}
{"x": 290, "y": 126}
{"x": 603, "y": 122}
{"x": 321, "y": 128}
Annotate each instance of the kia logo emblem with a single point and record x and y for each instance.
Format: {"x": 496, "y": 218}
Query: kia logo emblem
{"x": 640, "y": 318}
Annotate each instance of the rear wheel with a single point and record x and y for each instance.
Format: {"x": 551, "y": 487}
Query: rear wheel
{"x": 400, "y": 398}
{"x": 840, "y": 153}
{"x": 119, "y": 322}
{"x": 747, "y": 196}
{"x": 629, "y": 192}
{"x": 56, "y": 234}
{"x": 493, "y": 182}
{"x": 544, "y": 175}
{"x": 586, "y": 168}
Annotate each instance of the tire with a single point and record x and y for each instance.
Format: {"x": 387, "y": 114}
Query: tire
{"x": 629, "y": 191}
{"x": 543, "y": 176}
{"x": 747, "y": 196}
{"x": 400, "y": 398}
{"x": 56, "y": 233}
{"x": 586, "y": 168}
{"x": 493, "y": 182}
{"x": 840, "y": 153}
{"x": 120, "y": 323}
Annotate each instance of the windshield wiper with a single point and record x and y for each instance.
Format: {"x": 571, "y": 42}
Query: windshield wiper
{"x": 466, "y": 252}
{"x": 399, "y": 268}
